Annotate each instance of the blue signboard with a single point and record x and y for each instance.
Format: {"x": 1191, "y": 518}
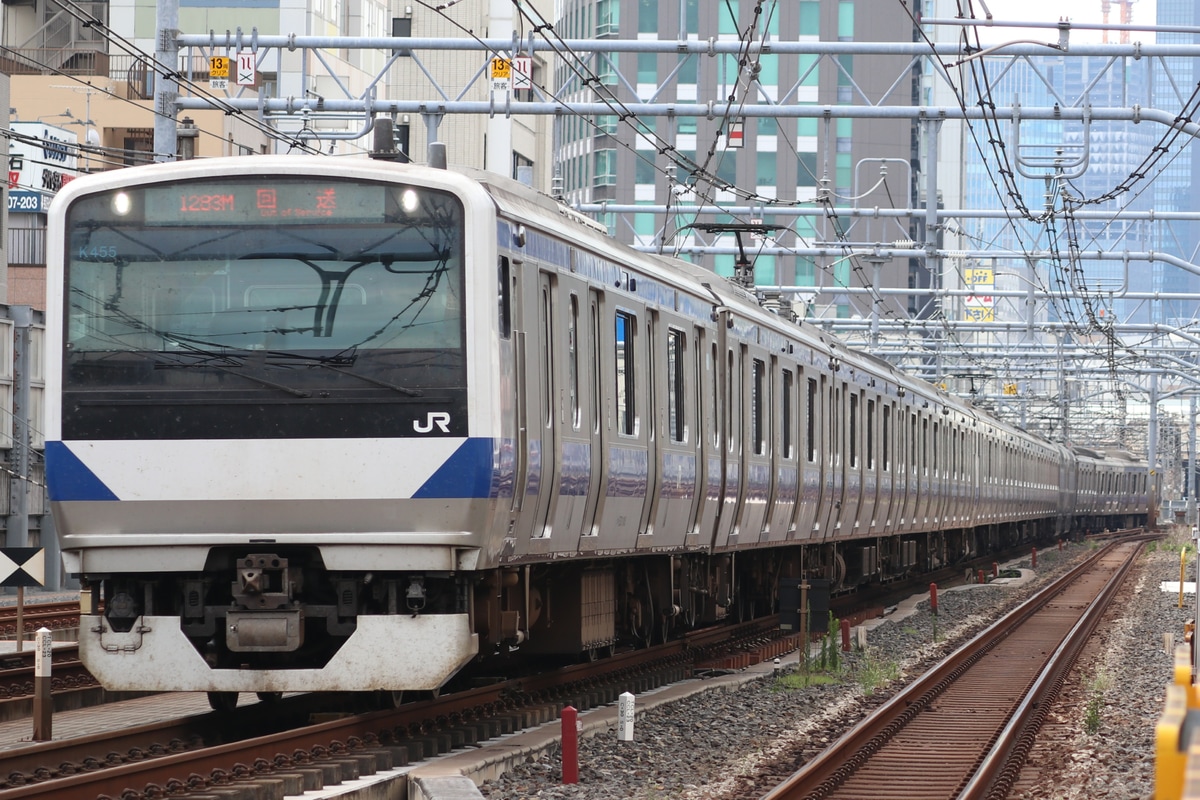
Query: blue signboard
{"x": 28, "y": 201}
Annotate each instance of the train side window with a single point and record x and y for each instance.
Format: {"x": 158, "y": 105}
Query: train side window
{"x": 504, "y": 279}
{"x": 595, "y": 371}
{"x": 870, "y": 434}
{"x": 785, "y": 434}
{"x": 810, "y": 410}
{"x": 835, "y": 443}
{"x": 717, "y": 413}
{"x": 757, "y": 371}
{"x": 626, "y": 372}
{"x": 573, "y": 359}
{"x": 925, "y": 445}
{"x": 733, "y": 395}
{"x": 914, "y": 444}
{"x": 547, "y": 357}
{"x": 675, "y": 386}
{"x": 854, "y": 429}
{"x": 885, "y": 439}
{"x": 935, "y": 447}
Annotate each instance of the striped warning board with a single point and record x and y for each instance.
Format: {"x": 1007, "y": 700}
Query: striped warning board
{"x": 22, "y": 566}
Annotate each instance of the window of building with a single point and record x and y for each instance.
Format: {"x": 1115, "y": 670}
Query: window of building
{"x": 607, "y": 17}
{"x": 728, "y": 17}
{"x": 768, "y": 174}
{"x": 604, "y": 168}
{"x": 727, "y": 168}
{"x": 647, "y": 16}
{"x": 644, "y": 171}
{"x": 806, "y": 169}
{"x": 402, "y": 28}
{"x": 768, "y": 73}
{"x": 810, "y": 17}
{"x": 647, "y": 68}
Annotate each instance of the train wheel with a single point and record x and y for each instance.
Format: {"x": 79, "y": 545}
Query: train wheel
{"x": 269, "y": 697}
{"x": 223, "y": 701}
{"x": 389, "y": 700}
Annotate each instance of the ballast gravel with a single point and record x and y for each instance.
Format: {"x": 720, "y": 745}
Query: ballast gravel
{"x": 738, "y": 743}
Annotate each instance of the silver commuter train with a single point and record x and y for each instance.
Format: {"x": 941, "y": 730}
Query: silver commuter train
{"x": 321, "y": 424}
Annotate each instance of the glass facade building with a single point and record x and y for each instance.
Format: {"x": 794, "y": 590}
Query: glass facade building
{"x": 685, "y": 169}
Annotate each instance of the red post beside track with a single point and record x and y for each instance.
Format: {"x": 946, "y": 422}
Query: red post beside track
{"x": 933, "y": 597}
{"x": 1034, "y": 564}
{"x": 995, "y": 570}
{"x": 981, "y": 580}
{"x": 570, "y": 745}
{"x": 845, "y": 626}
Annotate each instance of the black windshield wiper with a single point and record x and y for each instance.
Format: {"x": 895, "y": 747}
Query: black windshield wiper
{"x": 338, "y": 363}
{"x": 404, "y": 390}
{"x": 160, "y": 364}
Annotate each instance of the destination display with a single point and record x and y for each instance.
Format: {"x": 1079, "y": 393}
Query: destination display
{"x": 273, "y": 202}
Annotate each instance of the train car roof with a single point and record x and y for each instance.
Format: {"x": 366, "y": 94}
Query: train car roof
{"x": 519, "y": 200}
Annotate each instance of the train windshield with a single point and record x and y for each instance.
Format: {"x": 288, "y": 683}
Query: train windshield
{"x": 275, "y": 290}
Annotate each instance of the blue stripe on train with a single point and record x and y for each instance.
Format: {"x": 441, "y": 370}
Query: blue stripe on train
{"x": 68, "y": 478}
{"x": 468, "y": 472}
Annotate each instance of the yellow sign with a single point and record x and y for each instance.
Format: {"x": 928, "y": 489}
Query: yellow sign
{"x": 981, "y": 314}
{"x": 1010, "y": 389}
{"x": 975, "y": 276}
{"x": 501, "y": 68}
{"x": 218, "y": 67}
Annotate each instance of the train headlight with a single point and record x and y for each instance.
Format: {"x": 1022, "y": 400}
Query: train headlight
{"x": 409, "y": 200}
{"x": 122, "y": 203}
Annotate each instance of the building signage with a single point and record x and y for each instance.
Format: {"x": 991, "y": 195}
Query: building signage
{"x": 41, "y": 160}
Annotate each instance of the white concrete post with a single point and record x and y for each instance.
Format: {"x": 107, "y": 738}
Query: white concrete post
{"x": 626, "y": 711}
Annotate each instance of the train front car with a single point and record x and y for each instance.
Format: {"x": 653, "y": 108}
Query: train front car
{"x": 262, "y": 451}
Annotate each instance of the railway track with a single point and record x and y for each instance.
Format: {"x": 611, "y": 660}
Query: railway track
{"x": 52, "y": 616}
{"x": 963, "y": 729}
{"x": 17, "y": 666}
{"x": 276, "y": 740}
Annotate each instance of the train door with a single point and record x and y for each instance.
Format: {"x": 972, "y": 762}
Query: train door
{"x": 785, "y": 465}
{"x": 923, "y": 498}
{"x": 904, "y": 471}
{"x": 627, "y": 462}
{"x": 730, "y": 375}
{"x": 678, "y": 491}
{"x": 535, "y": 428}
{"x": 887, "y": 449}
{"x": 856, "y": 457}
{"x": 809, "y": 458}
{"x": 756, "y": 473}
{"x": 837, "y": 455}
{"x": 592, "y": 399}
{"x": 656, "y": 390}
{"x": 571, "y": 410}
{"x": 710, "y": 465}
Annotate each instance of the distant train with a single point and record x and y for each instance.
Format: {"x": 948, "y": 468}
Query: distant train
{"x": 336, "y": 424}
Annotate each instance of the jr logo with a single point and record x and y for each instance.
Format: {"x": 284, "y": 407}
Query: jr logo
{"x": 439, "y": 418}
